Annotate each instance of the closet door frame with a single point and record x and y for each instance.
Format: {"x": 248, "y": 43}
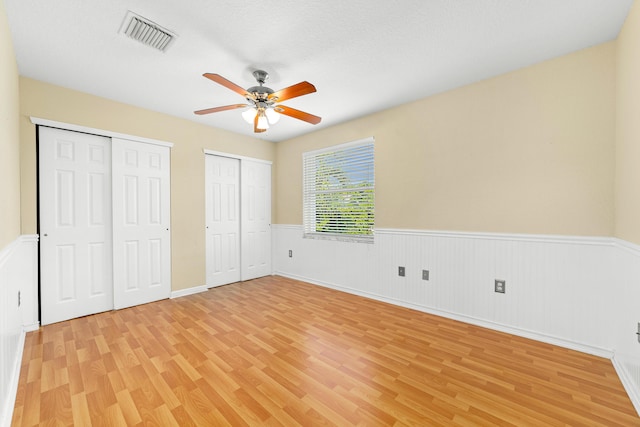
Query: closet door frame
{"x": 37, "y": 121}
{"x": 95, "y": 131}
{"x": 247, "y": 254}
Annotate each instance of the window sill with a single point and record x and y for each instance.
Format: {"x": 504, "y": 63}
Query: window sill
{"x": 339, "y": 237}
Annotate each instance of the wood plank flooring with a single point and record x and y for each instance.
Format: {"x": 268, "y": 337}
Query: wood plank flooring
{"x": 279, "y": 352}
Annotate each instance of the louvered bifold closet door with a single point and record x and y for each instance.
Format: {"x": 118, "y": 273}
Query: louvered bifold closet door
{"x": 141, "y": 221}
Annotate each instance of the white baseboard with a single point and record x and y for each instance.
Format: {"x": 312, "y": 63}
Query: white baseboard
{"x": 188, "y": 291}
{"x": 627, "y": 381}
{"x": 595, "y": 351}
{"x": 32, "y": 327}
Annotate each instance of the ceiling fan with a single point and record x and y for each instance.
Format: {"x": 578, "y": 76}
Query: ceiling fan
{"x": 262, "y": 109}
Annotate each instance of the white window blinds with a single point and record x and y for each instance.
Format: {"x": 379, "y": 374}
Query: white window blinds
{"x": 338, "y": 187}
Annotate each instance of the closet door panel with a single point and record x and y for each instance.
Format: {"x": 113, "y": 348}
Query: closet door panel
{"x": 256, "y": 219}
{"x": 141, "y": 235}
{"x": 75, "y": 224}
{"x": 222, "y": 207}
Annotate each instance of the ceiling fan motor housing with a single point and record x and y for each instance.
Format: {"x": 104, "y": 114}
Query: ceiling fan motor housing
{"x": 261, "y": 93}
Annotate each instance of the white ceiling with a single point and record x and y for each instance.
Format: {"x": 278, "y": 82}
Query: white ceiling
{"x": 363, "y": 56}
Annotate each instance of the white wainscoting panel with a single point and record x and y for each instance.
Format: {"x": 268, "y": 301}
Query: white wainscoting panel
{"x": 581, "y": 293}
{"x": 27, "y": 260}
{"x": 18, "y": 285}
{"x": 556, "y": 287}
{"x": 625, "y": 321}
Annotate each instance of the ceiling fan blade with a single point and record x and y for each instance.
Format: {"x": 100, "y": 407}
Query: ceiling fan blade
{"x": 226, "y": 83}
{"x": 255, "y": 125}
{"x": 297, "y": 114}
{"x": 302, "y": 88}
{"x": 223, "y": 108}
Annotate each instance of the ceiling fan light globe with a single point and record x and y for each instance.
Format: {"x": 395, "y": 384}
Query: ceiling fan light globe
{"x": 272, "y": 116}
{"x": 263, "y": 123}
{"x": 249, "y": 114}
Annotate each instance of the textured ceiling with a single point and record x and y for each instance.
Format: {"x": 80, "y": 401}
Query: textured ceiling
{"x": 363, "y": 56}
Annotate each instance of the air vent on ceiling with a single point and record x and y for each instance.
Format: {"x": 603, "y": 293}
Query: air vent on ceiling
{"x": 146, "y": 32}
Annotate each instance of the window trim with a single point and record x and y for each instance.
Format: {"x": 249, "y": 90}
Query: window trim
{"x": 362, "y": 238}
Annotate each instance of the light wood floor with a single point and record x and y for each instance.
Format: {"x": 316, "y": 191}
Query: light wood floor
{"x": 275, "y": 351}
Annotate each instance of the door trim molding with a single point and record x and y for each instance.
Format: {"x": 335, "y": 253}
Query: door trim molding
{"x": 235, "y": 156}
{"x": 96, "y": 131}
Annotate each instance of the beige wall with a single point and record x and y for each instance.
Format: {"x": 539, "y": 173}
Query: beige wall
{"x": 9, "y": 138}
{"x": 531, "y": 151}
{"x": 627, "y": 188}
{"x": 51, "y": 102}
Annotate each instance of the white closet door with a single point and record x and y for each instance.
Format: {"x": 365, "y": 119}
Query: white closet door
{"x": 222, "y": 207}
{"x": 256, "y": 219}
{"x": 141, "y": 236}
{"x": 75, "y": 224}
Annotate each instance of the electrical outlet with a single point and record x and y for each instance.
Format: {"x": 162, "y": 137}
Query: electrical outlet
{"x": 638, "y": 333}
{"x": 425, "y": 274}
{"x": 500, "y": 286}
{"x": 401, "y": 271}
{"x": 290, "y": 253}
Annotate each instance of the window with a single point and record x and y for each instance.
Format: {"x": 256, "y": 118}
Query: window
{"x": 338, "y": 192}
